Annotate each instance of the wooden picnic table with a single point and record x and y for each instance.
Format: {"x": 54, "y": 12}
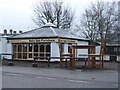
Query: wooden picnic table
{"x": 49, "y": 58}
{"x": 91, "y": 50}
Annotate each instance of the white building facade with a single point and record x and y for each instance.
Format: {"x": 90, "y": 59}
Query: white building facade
{"x": 5, "y": 48}
{"x": 44, "y": 42}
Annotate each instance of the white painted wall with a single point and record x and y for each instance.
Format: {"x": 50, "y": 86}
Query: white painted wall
{"x": 81, "y": 52}
{"x": 97, "y": 49}
{"x": 55, "y": 51}
{"x": 5, "y": 47}
{"x": 118, "y": 58}
{"x": 66, "y": 48}
{"x": 0, "y": 44}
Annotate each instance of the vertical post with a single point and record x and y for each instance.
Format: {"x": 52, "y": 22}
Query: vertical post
{"x": 65, "y": 62}
{"x": 102, "y": 62}
{"x": 73, "y": 60}
{"x": 11, "y": 61}
{"x": 85, "y": 61}
{"x": 12, "y": 57}
{"x": 88, "y": 61}
{"x": 71, "y": 55}
{"x": 60, "y": 50}
{"x": 0, "y": 59}
{"x": 93, "y": 58}
{"x": 34, "y": 63}
{"x": 88, "y": 50}
{"x": 48, "y": 61}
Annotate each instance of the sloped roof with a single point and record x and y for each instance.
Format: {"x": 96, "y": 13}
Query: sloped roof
{"x": 47, "y": 32}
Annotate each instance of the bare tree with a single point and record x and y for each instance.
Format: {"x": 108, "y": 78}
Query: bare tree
{"x": 54, "y": 12}
{"x": 100, "y": 19}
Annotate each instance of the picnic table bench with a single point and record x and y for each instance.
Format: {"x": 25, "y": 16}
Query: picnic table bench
{"x": 49, "y": 58}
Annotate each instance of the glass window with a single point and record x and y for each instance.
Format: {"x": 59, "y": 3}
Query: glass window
{"x": 119, "y": 49}
{"x": 30, "y": 47}
{"x": 30, "y": 55}
{"x": 14, "y": 55}
{"x": 24, "y": 48}
{"x": 41, "y": 55}
{"x": 35, "y": 48}
{"x": 115, "y": 49}
{"x": 19, "y": 48}
{"x": 19, "y": 55}
{"x": 25, "y": 51}
{"x": 69, "y": 50}
{"x": 24, "y": 55}
{"x": 47, "y": 55}
{"x": 47, "y": 48}
{"x": 41, "y": 48}
{"x": 111, "y": 49}
{"x": 35, "y": 54}
{"x": 15, "y": 48}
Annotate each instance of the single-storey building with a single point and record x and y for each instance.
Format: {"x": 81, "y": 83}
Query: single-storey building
{"x": 44, "y": 42}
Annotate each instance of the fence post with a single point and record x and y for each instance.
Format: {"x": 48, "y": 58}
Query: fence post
{"x": 65, "y": 62}
{"x": 48, "y": 61}
{"x": 34, "y": 63}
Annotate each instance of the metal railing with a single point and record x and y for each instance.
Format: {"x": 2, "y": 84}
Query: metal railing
{"x": 11, "y": 60}
{"x": 5, "y": 54}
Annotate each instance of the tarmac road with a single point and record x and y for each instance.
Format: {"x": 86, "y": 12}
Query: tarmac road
{"x": 29, "y": 77}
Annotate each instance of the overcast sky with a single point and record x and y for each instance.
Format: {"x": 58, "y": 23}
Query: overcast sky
{"x": 17, "y": 14}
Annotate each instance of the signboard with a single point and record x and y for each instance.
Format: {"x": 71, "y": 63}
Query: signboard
{"x": 42, "y": 40}
{"x": 68, "y": 41}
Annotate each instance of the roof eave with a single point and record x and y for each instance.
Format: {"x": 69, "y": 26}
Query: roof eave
{"x": 12, "y": 38}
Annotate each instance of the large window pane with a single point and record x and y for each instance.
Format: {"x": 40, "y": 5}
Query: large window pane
{"x": 47, "y": 55}
{"x": 47, "y": 48}
{"x": 69, "y": 50}
{"x": 24, "y": 48}
{"x": 30, "y": 47}
{"x": 30, "y": 55}
{"x": 35, "y": 48}
{"x": 41, "y": 55}
{"x": 14, "y": 48}
{"x": 19, "y": 55}
{"x": 14, "y": 54}
{"x": 41, "y": 48}
{"x": 19, "y": 48}
{"x": 24, "y": 55}
{"x": 35, "y": 54}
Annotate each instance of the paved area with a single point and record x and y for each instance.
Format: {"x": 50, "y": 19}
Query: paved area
{"x": 18, "y": 76}
{"x": 11, "y": 80}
